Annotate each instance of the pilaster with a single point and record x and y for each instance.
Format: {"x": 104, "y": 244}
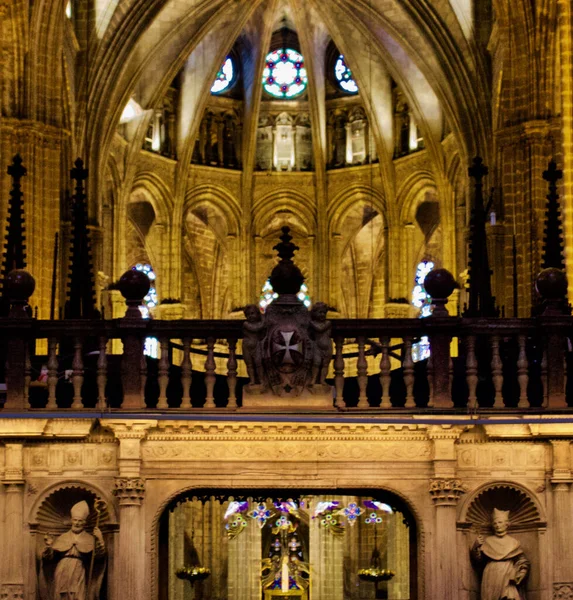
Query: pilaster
{"x": 130, "y": 492}
{"x": 561, "y": 491}
{"x": 445, "y": 490}
{"x": 13, "y": 581}
{"x": 445, "y": 494}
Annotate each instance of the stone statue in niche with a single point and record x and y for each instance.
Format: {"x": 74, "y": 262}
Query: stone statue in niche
{"x": 502, "y": 562}
{"x": 73, "y": 564}
{"x": 287, "y": 350}
{"x": 253, "y": 329}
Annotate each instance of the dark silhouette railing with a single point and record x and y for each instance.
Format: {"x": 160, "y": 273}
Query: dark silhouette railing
{"x": 489, "y": 364}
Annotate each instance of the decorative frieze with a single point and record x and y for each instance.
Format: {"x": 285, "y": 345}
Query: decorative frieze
{"x": 12, "y": 591}
{"x": 446, "y": 492}
{"x": 563, "y": 591}
{"x": 129, "y": 491}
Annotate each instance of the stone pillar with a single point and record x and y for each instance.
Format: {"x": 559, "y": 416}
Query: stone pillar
{"x": 130, "y": 559}
{"x": 326, "y": 562}
{"x": 13, "y": 566}
{"x": 446, "y": 577}
{"x": 562, "y": 548}
{"x": 245, "y": 555}
{"x": 445, "y": 490}
{"x": 130, "y": 563}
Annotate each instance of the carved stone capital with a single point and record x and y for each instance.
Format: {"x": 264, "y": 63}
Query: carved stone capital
{"x": 12, "y": 591}
{"x": 129, "y": 491}
{"x": 563, "y": 591}
{"x": 446, "y": 492}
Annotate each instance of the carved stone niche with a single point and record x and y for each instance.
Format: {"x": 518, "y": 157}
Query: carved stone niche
{"x": 526, "y": 524}
{"x": 52, "y": 518}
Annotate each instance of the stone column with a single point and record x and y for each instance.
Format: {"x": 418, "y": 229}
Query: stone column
{"x": 445, "y": 580}
{"x": 13, "y": 566}
{"x": 445, "y": 490}
{"x": 326, "y": 562}
{"x": 245, "y": 555}
{"x": 562, "y": 549}
{"x": 131, "y": 580}
{"x": 130, "y": 565}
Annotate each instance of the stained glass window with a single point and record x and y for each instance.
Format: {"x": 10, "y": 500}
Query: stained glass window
{"x": 268, "y": 295}
{"x": 423, "y": 301}
{"x": 224, "y": 77}
{"x": 151, "y": 344}
{"x": 344, "y": 76}
{"x": 284, "y": 75}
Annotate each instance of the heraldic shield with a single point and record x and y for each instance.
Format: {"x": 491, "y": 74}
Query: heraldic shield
{"x": 287, "y": 356}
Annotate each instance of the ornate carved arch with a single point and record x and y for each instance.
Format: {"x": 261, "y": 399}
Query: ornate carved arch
{"x": 526, "y": 512}
{"x": 52, "y": 503}
{"x": 174, "y": 498}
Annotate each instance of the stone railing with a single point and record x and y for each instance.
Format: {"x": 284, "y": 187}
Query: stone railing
{"x": 474, "y": 364}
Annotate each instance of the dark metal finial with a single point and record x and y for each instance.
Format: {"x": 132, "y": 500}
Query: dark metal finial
{"x": 481, "y": 301}
{"x": 286, "y": 248}
{"x": 14, "y": 256}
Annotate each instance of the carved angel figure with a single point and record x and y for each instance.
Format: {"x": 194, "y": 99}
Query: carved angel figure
{"x": 73, "y": 564}
{"x": 320, "y": 327}
{"x": 253, "y": 329}
{"x": 504, "y": 564}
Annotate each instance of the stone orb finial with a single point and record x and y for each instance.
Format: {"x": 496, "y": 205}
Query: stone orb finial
{"x": 286, "y": 278}
{"x": 134, "y": 285}
{"x": 551, "y": 284}
{"x": 440, "y": 283}
{"x": 19, "y": 285}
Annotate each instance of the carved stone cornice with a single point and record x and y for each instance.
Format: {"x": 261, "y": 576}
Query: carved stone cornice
{"x": 12, "y": 591}
{"x": 446, "y": 492}
{"x": 130, "y": 491}
{"x": 563, "y": 591}
{"x": 125, "y": 429}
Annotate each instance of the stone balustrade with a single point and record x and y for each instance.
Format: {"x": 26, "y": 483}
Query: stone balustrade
{"x": 473, "y": 364}
{"x": 440, "y": 363}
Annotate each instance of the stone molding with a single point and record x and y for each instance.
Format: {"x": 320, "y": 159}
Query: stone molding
{"x": 563, "y": 591}
{"x": 129, "y": 491}
{"x": 446, "y": 492}
{"x": 12, "y": 591}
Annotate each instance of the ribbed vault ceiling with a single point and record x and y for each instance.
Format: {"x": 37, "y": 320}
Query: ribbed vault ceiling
{"x": 422, "y": 45}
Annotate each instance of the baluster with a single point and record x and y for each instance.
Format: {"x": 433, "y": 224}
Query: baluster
{"x": 451, "y": 372}
{"x": 52, "y": 373}
{"x": 522, "y": 376}
{"x": 142, "y": 371}
{"x": 496, "y": 372}
{"x": 210, "y": 373}
{"x": 544, "y": 381}
{"x": 77, "y": 374}
{"x": 430, "y": 375}
{"x": 163, "y": 373}
{"x": 232, "y": 373}
{"x": 362, "y": 372}
{"x": 408, "y": 369}
{"x": 385, "y": 372}
{"x": 339, "y": 372}
{"x": 27, "y": 377}
{"x": 471, "y": 371}
{"x": 102, "y": 373}
{"x": 186, "y": 374}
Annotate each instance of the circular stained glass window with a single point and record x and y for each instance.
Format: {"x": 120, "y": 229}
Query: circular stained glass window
{"x": 224, "y": 77}
{"x": 344, "y": 76}
{"x": 285, "y": 74}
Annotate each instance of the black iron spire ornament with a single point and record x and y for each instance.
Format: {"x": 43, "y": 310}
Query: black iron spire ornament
{"x": 286, "y": 277}
{"x": 81, "y": 295}
{"x": 14, "y": 255}
{"x": 553, "y": 233}
{"x": 481, "y": 302}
